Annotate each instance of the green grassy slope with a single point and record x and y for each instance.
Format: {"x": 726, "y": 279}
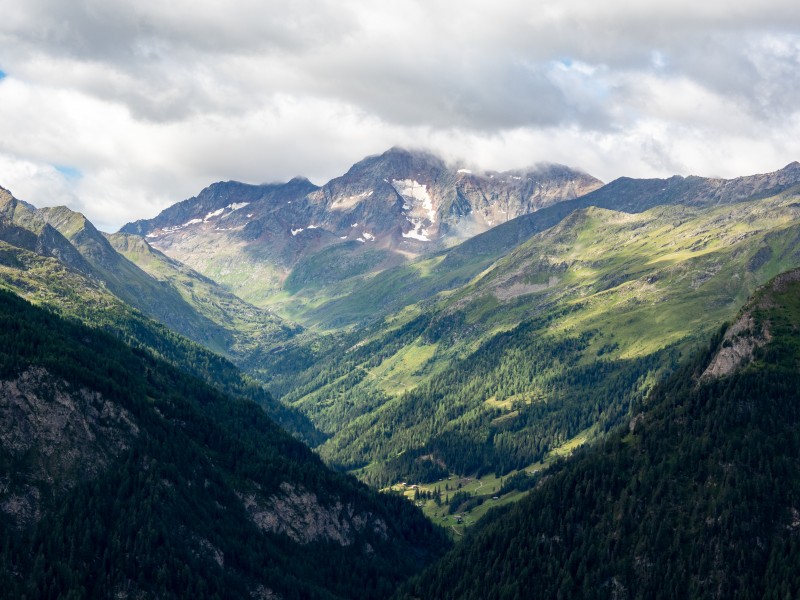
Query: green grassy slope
{"x": 696, "y": 498}
{"x": 564, "y": 333}
{"x": 47, "y": 281}
{"x": 374, "y": 295}
{"x": 252, "y": 333}
{"x": 132, "y": 285}
{"x": 172, "y": 293}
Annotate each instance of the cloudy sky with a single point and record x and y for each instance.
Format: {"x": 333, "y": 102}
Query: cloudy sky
{"x": 120, "y": 108}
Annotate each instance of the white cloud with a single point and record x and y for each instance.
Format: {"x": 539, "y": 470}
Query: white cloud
{"x": 151, "y": 101}
{"x": 29, "y": 181}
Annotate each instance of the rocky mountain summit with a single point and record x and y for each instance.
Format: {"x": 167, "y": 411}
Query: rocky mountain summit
{"x": 385, "y": 209}
{"x": 21, "y": 226}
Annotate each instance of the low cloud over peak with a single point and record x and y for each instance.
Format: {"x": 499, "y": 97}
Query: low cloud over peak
{"x": 151, "y": 101}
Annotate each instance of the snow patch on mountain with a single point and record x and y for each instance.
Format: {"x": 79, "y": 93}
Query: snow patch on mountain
{"x": 214, "y": 213}
{"x": 234, "y": 206}
{"x": 416, "y": 235}
{"x": 348, "y": 202}
{"x": 417, "y": 208}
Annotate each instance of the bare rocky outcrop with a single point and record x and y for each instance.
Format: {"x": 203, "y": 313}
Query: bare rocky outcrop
{"x": 299, "y": 514}
{"x": 52, "y": 437}
{"x": 210, "y": 551}
{"x": 738, "y": 345}
{"x": 784, "y": 279}
{"x": 264, "y": 593}
{"x": 745, "y": 335}
{"x": 384, "y": 210}
{"x": 517, "y": 288}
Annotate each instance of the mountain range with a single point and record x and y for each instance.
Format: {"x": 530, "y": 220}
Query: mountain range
{"x": 556, "y": 338}
{"x": 384, "y": 210}
{"x": 177, "y": 314}
{"x": 445, "y": 333}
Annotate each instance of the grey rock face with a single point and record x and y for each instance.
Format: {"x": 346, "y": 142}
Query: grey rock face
{"x": 298, "y": 513}
{"x": 399, "y": 198}
{"x": 57, "y": 436}
{"x": 397, "y": 205}
{"x": 739, "y": 342}
{"x": 745, "y": 335}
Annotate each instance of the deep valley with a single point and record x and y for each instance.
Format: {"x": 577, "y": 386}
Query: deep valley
{"x": 407, "y": 375}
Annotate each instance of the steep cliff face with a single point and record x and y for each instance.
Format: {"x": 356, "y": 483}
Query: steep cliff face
{"x": 738, "y": 345}
{"x": 298, "y": 513}
{"x": 751, "y": 330}
{"x": 56, "y": 436}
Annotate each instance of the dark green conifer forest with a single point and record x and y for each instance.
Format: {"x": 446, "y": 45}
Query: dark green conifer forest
{"x": 697, "y": 497}
{"x": 165, "y": 519}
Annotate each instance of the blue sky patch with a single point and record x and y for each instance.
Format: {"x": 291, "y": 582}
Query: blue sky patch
{"x": 68, "y": 172}
{"x": 2, "y": 74}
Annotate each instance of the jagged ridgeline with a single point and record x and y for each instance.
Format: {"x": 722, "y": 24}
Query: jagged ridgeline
{"x": 697, "y": 497}
{"x": 122, "y": 476}
{"x": 311, "y": 252}
{"x": 282, "y": 245}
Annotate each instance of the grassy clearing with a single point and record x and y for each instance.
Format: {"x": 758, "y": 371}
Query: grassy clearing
{"x": 501, "y": 404}
{"x": 403, "y": 371}
{"x": 486, "y": 488}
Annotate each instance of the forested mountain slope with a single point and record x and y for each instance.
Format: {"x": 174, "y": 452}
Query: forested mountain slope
{"x": 121, "y": 476}
{"x": 40, "y": 264}
{"x": 697, "y": 497}
{"x": 560, "y": 336}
